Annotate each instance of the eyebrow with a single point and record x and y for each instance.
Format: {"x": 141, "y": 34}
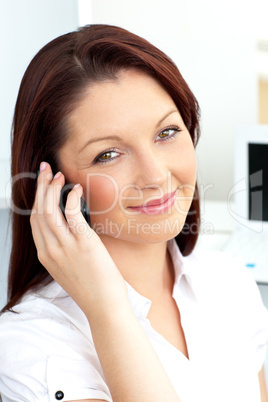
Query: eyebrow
{"x": 166, "y": 115}
{"x": 117, "y": 138}
{"x": 108, "y": 137}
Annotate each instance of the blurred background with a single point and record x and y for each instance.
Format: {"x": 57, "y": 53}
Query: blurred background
{"x": 221, "y": 49}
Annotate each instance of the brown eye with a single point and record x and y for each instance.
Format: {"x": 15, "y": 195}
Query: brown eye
{"x": 105, "y": 156}
{"x": 168, "y": 133}
{"x": 165, "y": 133}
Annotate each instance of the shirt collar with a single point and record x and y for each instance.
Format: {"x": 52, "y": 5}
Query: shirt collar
{"x": 182, "y": 283}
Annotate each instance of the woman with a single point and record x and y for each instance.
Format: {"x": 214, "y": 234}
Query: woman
{"x": 122, "y": 310}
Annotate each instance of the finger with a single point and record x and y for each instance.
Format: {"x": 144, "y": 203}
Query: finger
{"x": 43, "y": 180}
{"x": 37, "y": 215}
{"x": 52, "y": 213}
{"x": 45, "y": 204}
{"x": 42, "y": 234}
{"x": 49, "y": 228}
{"x": 76, "y": 221}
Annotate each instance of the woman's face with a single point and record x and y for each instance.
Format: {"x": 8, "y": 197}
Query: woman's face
{"x": 130, "y": 150}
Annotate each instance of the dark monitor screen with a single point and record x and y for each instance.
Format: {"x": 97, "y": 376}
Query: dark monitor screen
{"x": 258, "y": 182}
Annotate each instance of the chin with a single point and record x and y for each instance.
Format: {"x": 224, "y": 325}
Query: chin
{"x": 151, "y": 233}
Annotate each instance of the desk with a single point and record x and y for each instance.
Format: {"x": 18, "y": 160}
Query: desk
{"x": 217, "y": 225}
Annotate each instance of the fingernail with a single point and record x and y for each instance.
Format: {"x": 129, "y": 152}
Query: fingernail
{"x": 77, "y": 185}
{"x": 57, "y": 175}
{"x": 42, "y": 166}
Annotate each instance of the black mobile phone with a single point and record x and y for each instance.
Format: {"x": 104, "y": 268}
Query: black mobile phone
{"x": 63, "y": 198}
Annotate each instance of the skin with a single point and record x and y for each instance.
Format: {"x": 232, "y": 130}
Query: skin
{"x": 263, "y": 388}
{"x": 146, "y": 166}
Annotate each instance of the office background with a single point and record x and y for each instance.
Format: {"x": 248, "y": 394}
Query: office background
{"x": 221, "y": 48}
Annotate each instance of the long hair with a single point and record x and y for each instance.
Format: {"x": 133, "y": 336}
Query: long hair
{"x": 51, "y": 88}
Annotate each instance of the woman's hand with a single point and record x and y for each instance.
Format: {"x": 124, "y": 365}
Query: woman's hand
{"x": 81, "y": 264}
{"x": 71, "y": 251}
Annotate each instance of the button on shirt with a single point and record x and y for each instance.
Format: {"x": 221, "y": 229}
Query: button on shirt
{"x": 47, "y": 352}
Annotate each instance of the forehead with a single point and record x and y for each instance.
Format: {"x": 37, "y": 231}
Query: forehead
{"x": 130, "y": 98}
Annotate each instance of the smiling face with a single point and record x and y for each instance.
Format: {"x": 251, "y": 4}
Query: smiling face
{"x": 130, "y": 150}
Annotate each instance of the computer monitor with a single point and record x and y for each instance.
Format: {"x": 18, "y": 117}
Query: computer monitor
{"x": 250, "y": 190}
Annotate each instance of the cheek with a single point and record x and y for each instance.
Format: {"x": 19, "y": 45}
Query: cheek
{"x": 102, "y": 194}
{"x": 186, "y": 166}
{"x": 191, "y": 171}
{"x": 186, "y": 175}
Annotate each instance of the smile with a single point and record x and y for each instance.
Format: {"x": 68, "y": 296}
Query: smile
{"x": 158, "y": 206}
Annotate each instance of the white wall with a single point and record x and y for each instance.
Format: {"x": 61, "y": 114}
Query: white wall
{"x": 213, "y": 44}
{"x": 5, "y": 246}
{"x": 25, "y": 26}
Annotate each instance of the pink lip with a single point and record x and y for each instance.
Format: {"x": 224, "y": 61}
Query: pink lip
{"x": 158, "y": 206}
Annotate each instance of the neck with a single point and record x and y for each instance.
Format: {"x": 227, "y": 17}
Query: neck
{"x": 146, "y": 267}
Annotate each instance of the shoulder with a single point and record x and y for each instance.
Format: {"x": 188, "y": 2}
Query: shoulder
{"x": 229, "y": 289}
{"x": 36, "y": 328}
{"x": 218, "y": 268}
{"x": 222, "y": 282}
{"x": 43, "y": 316}
{"x": 206, "y": 264}
{"x": 233, "y": 302}
{"x": 46, "y": 346}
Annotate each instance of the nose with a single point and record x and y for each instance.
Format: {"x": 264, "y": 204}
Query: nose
{"x": 151, "y": 171}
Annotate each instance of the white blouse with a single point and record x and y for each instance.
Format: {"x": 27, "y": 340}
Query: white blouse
{"x": 47, "y": 352}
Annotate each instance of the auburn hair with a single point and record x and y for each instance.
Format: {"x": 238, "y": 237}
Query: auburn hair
{"x": 51, "y": 88}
